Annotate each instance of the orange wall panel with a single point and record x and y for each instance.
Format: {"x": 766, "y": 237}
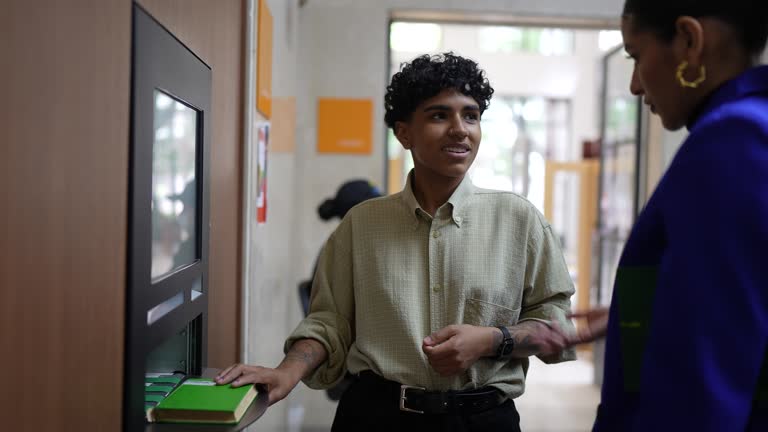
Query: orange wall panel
{"x": 345, "y": 126}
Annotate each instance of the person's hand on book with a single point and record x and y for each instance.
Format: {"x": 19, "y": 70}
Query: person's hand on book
{"x": 594, "y": 325}
{"x": 304, "y": 356}
{"x": 279, "y": 381}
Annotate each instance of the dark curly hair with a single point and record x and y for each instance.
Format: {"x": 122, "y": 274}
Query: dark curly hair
{"x": 426, "y": 76}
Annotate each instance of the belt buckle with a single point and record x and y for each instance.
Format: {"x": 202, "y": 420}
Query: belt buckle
{"x": 403, "y": 398}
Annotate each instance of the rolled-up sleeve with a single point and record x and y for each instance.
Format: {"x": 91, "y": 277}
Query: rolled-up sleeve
{"x": 548, "y": 286}
{"x": 331, "y": 315}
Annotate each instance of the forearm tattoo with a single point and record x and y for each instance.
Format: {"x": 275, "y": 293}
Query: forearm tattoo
{"x": 304, "y": 352}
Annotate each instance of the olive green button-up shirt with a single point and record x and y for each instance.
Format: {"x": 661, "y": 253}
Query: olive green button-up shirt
{"x": 390, "y": 275}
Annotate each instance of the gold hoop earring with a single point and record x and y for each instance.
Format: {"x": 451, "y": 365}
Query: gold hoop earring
{"x": 690, "y": 84}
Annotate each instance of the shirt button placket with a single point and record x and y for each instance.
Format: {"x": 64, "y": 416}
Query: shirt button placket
{"x": 435, "y": 302}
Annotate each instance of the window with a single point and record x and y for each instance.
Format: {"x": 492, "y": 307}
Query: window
{"x": 519, "y": 135}
{"x": 541, "y": 41}
{"x": 415, "y": 37}
{"x": 609, "y": 39}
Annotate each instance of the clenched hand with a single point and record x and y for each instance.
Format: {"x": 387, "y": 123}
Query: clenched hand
{"x": 453, "y": 349}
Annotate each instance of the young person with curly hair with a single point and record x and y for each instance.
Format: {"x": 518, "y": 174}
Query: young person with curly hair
{"x": 436, "y": 296}
{"x": 687, "y": 335}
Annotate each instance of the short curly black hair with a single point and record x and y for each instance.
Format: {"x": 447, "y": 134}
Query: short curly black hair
{"x": 426, "y": 76}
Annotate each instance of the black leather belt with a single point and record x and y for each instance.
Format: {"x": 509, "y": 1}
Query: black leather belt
{"x": 418, "y": 400}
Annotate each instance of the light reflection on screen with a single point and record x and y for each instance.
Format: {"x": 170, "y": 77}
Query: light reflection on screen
{"x": 174, "y": 185}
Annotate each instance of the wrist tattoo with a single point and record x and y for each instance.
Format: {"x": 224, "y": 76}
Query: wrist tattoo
{"x": 524, "y": 344}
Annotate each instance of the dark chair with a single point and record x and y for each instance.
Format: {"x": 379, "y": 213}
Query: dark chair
{"x": 305, "y": 289}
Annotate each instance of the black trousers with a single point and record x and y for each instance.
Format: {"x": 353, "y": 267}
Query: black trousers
{"x": 365, "y": 408}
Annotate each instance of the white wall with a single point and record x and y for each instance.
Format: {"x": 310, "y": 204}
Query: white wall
{"x": 271, "y": 278}
{"x": 343, "y": 53}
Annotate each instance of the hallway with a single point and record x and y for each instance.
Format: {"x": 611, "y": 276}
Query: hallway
{"x": 558, "y": 398}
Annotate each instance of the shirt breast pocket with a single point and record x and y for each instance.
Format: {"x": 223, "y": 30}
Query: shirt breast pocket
{"x": 487, "y": 313}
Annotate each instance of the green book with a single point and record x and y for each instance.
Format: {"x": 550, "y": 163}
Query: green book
{"x": 172, "y": 380}
{"x": 635, "y": 288}
{"x": 152, "y": 398}
{"x": 199, "y": 400}
{"x": 164, "y": 390}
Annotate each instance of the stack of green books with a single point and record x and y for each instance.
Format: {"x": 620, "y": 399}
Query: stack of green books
{"x": 157, "y": 386}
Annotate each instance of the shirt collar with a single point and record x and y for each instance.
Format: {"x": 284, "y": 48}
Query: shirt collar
{"x": 410, "y": 200}
{"x": 753, "y": 81}
{"x": 458, "y": 200}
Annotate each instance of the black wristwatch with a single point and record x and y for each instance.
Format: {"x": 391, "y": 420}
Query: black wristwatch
{"x": 507, "y": 345}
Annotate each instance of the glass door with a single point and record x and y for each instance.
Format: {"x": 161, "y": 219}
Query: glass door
{"x": 619, "y": 174}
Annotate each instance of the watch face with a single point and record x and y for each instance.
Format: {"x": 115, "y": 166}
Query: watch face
{"x": 507, "y": 350}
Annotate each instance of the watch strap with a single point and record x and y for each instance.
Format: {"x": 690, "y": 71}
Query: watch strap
{"x": 504, "y": 350}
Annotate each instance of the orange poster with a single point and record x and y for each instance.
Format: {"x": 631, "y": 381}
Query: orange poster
{"x": 262, "y": 144}
{"x": 345, "y": 126}
{"x": 264, "y": 61}
{"x": 283, "y": 132}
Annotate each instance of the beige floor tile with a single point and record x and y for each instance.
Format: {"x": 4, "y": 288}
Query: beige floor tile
{"x": 558, "y": 398}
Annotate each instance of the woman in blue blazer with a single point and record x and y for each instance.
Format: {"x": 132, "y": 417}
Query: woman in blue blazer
{"x": 687, "y": 333}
